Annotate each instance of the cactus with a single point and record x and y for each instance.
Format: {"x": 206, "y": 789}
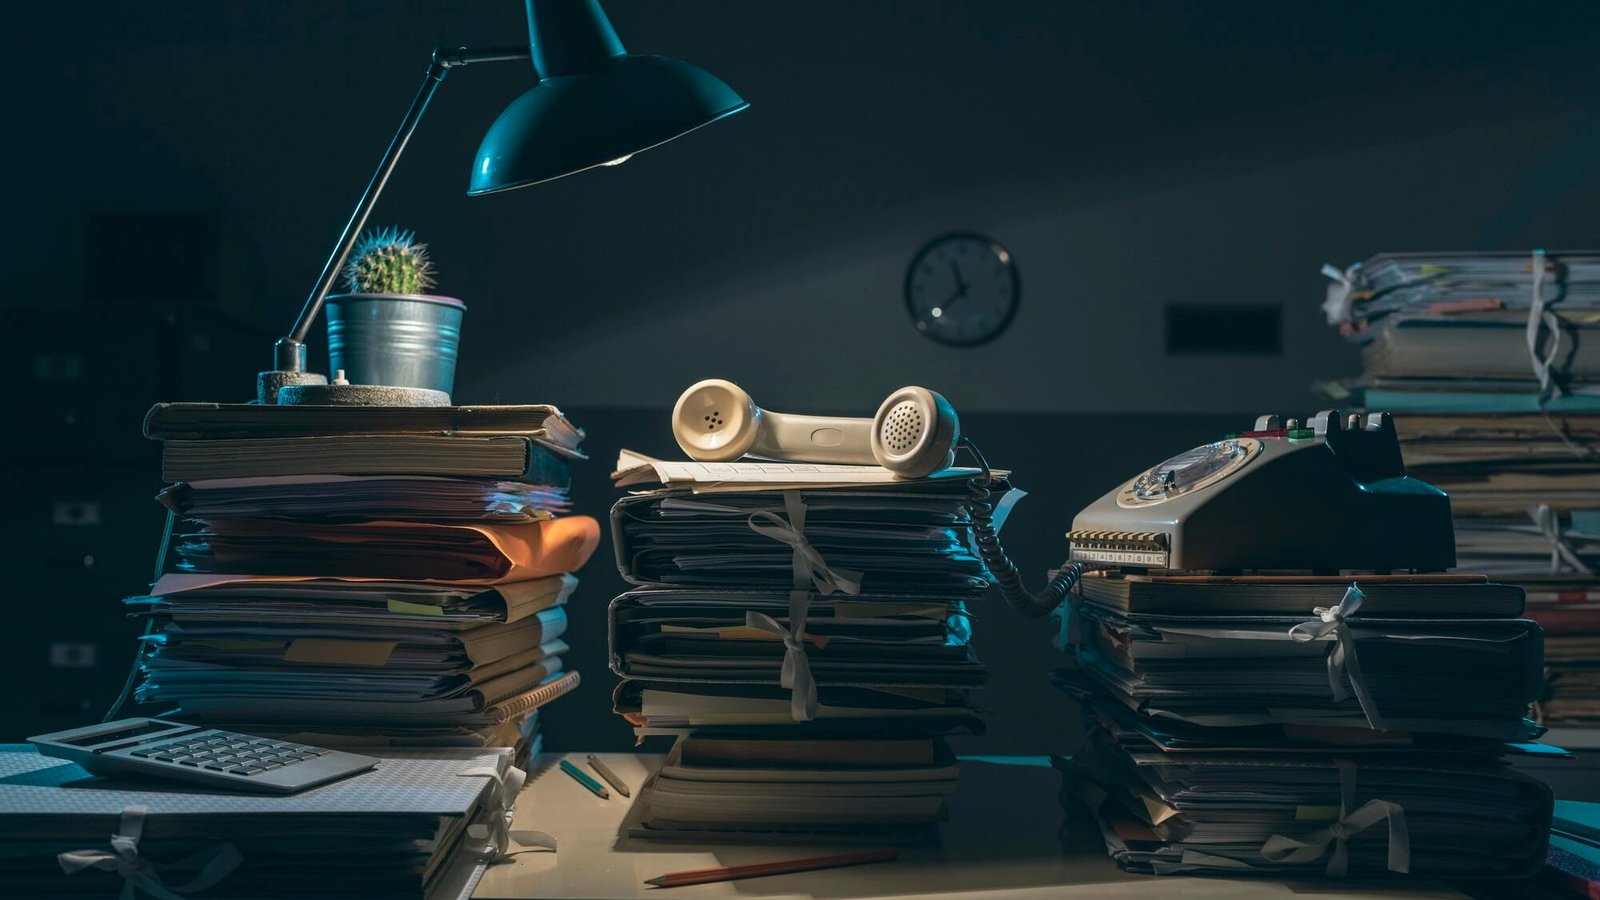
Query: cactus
{"x": 389, "y": 261}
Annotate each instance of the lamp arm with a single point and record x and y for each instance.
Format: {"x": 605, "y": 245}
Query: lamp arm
{"x": 290, "y": 352}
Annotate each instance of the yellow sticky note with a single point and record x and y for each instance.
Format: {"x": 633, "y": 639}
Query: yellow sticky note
{"x": 407, "y": 608}
{"x": 1316, "y": 813}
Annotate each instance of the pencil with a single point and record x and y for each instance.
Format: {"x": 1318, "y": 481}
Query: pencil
{"x": 779, "y": 867}
{"x": 586, "y": 781}
{"x": 610, "y": 776}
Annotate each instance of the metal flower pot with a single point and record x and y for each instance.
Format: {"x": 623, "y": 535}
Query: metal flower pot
{"x": 400, "y": 340}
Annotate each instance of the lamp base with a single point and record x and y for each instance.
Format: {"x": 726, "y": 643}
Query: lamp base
{"x": 269, "y": 383}
{"x": 313, "y": 394}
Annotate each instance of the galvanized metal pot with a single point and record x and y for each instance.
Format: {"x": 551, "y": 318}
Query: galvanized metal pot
{"x": 401, "y": 340}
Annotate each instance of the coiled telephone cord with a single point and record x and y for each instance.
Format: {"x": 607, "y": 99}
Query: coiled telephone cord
{"x": 981, "y": 509}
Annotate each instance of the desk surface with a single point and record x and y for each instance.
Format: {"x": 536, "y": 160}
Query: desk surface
{"x": 1001, "y": 841}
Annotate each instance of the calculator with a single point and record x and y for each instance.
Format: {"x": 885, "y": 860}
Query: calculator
{"x": 205, "y": 756}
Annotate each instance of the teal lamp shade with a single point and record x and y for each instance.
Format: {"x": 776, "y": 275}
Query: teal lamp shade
{"x": 594, "y": 104}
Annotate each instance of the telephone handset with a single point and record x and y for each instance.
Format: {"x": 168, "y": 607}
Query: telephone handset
{"x": 914, "y": 434}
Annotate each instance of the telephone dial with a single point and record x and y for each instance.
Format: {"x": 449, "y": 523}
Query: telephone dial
{"x": 1332, "y": 495}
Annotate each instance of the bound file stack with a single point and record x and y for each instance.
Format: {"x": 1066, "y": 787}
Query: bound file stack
{"x": 1231, "y": 731}
{"x": 1489, "y": 362}
{"x": 423, "y": 824}
{"x": 803, "y": 631}
{"x": 377, "y": 577}
{"x": 1526, "y": 494}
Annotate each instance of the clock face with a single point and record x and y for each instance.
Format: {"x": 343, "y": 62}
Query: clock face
{"x": 962, "y": 289}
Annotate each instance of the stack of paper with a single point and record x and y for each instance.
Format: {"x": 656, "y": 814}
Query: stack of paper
{"x": 803, "y": 631}
{"x": 1473, "y": 333}
{"x": 414, "y": 827}
{"x": 1228, "y": 737}
{"x": 404, "y": 587}
{"x": 1489, "y": 363}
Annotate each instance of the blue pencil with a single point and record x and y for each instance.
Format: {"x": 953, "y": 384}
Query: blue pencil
{"x": 585, "y": 780}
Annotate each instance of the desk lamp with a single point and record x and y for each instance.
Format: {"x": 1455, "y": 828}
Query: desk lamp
{"x": 594, "y": 104}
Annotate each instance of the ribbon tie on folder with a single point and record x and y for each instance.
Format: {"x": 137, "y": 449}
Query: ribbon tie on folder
{"x": 1544, "y": 330}
{"x": 1337, "y": 306}
{"x": 796, "y": 672}
{"x": 1548, "y": 521}
{"x": 1283, "y": 849}
{"x": 809, "y": 568}
{"x": 1334, "y": 620}
{"x": 491, "y": 841}
{"x": 139, "y": 874}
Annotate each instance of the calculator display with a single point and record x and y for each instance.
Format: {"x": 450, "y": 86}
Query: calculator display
{"x": 106, "y": 737}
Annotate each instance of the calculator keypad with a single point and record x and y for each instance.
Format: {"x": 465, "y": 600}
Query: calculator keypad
{"x": 234, "y": 754}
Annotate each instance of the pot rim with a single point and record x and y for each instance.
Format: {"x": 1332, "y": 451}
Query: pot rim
{"x": 423, "y": 298}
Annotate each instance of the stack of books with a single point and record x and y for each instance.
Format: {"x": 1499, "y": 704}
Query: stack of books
{"x": 1231, "y": 731}
{"x": 418, "y": 826}
{"x": 803, "y": 632}
{"x": 1493, "y": 377}
{"x": 370, "y": 577}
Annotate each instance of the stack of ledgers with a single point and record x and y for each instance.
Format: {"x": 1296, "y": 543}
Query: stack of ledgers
{"x": 803, "y": 631}
{"x": 1493, "y": 377}
{"x": 1229, "y": 731}
{"x": 421, "y": 826}
{"x": 374, "y": 578}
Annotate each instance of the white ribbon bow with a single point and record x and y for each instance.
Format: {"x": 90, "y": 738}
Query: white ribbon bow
{"x": 796, "y": 672}
{"x": 493, "y": 839}
{"x": 1333, "y": 620}
{"x": 138, "y": 873}
{"x": 1283, "y": 849}
{"x": 809, "y": 568}
{"x": 1548, "y": 521}
{"x": 1542, "y": 321}
{"x": 1337, "y": 306}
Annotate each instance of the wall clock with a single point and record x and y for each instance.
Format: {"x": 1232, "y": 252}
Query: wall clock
{"x": 962, "y": 289}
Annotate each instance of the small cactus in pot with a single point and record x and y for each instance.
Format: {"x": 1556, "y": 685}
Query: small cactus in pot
{"x": 388, "y": 330}
{"x": 389, "y": 261}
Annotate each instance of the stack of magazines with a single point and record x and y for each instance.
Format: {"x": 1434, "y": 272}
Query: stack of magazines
{"x": 1232, "y": 730}
{"x": 376, "y": 578}
{"x": 1489, "y": 363}
{"x": 803, "y": 633}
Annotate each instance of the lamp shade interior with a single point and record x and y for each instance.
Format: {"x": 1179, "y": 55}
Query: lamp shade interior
{"x": 569, "y": 123}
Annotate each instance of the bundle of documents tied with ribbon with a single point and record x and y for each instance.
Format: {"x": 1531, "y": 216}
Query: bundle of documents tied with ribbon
{"x": 1489, "y": 363}
{"x": 422, "y": 824}
{"x": 803, "y": 631}
{"x": 364, "y": 576}
{"x": 1362, "y": 735}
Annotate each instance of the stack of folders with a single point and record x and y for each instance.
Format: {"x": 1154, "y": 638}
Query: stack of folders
{"x": 1451, "y": 331}
{"x": 419, "y": 826}
{"x": 803, "y": 632}
{"x": 1491, "y": 365}
{"x": 1230, "y": 731}
{"x": 374, "y": 577}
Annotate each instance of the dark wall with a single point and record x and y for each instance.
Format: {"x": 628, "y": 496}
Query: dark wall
{"x": 1130, "y": 155}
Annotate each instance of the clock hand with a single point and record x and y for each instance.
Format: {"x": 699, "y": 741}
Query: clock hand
{"x": 961, "y": 283}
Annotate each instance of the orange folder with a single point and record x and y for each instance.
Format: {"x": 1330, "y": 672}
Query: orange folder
{"x": 475, "y": 554}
